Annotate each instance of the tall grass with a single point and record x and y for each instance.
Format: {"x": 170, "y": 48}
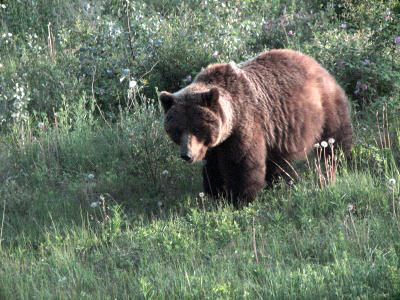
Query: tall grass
{"x": 94, "y": 202}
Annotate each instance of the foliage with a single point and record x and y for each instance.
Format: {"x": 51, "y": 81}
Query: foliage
{"x": 94, "y": 202}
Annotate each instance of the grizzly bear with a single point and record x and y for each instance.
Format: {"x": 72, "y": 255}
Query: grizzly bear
{"x": 248, "y": 121}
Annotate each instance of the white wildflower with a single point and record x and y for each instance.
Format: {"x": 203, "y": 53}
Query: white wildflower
{"x": 159, "y": 203}
{"x": 165, "y": 173}
{"x": 132, "y": 84}
{"x": 392, "y": 181}
{"x": 316, "y": 145}
{"x": 94, "y": 204}
{"x": 331, "y": 141}
{"x": 201, "y": 195}
{"x": 324, "y": 144}
{"x": 350, "y": 207}
{"x": 41, "y": 125}
{"x": 91, "y": 176}
{"x": 187, "y": 79}
{"x": 366, "y": 62}
{"x": 62, "y": 279}
{"x": 215, "y": 54}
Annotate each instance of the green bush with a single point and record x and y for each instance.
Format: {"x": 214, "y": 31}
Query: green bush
{"x": 94, "y": 201}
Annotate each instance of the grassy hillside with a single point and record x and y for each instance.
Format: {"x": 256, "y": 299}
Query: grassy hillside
{"x": 96, "y": 204}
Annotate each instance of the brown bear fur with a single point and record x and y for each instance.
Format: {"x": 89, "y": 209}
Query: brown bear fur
{"x": 248, "y": 120}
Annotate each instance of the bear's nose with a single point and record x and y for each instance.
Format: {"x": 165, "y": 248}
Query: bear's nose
{"x": 186, "y": 157}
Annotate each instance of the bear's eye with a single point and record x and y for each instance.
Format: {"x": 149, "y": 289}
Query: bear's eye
{"x": 196, "y": 131}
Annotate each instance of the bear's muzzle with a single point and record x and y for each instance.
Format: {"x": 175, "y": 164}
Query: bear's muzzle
{"x": 191, "y": 148}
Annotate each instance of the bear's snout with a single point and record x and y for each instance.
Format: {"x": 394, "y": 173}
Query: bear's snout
{"x": 191, "y": 149}
{"x": 187, "y": 157}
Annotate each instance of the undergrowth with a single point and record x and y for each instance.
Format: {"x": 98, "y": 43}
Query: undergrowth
{"x": 94, "y": 201}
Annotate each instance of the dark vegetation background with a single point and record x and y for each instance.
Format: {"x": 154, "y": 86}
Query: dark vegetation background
{"x": 94, "y": 202}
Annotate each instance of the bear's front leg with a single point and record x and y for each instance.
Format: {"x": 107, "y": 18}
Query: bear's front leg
{"x": 213, "y": 182}
{"x": 245, "y": 177}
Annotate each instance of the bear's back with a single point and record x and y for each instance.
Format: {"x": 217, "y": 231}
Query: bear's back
{"x": 296, "y": 96}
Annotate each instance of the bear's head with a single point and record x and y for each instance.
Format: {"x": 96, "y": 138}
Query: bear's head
{"x": 194, "y": 119}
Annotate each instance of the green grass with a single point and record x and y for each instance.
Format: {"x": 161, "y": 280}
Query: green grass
{"x": 167, "y": 241}
{"x": 302, "y": 243}
{"x": 95, "y": 202}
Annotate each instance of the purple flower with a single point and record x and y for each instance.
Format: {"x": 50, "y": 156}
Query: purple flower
{"x": 187, "y": 79}
{"x": 397, "y": 40}
{"x": 360, "y": 87}
{"x": 366, "y": 62}
{"x": 341, "y": 63}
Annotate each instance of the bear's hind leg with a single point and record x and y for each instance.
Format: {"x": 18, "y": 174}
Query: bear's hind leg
{"x": 277, "y": 169}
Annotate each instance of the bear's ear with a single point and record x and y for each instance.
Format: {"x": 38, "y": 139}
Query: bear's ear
{"x": 210, "y": 98}
{"x": 167, "y": 100}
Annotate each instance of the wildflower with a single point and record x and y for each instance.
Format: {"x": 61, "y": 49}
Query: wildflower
{"x": 397, "y": 40}
{"x": 165, "y": 173}
{"x": 316, "y": 145}
{"x": 266, "y": 26}
{"x": 91, "y": 176}
{"x": 159, "y": 203}
{"x": 117, "y": 32}
{"x": 366, "y": 62}
{"x": 341, "y": 63}
{"x": 331, "y": 141}
{"x": 291, "y": 33}
{"x": 41, "y": 125}
{"x": 94, "y": 204}
{"x": 360, "y": 87}
{"x": 1, "y": 65}
{"x": 388, "y": 15}
{"x": 3, "y": 6}
{"x": 343, "y": 25}
{"x": 324, "y": 144}
{"x": 201, "y": 195}
{"x": 132, "y": 84}
{"x": 62, "y": 279}
{"x": 215, "y": 54}
{"x": 350, "y": 207}
{"x": 392, "y": 181}
{"x": 187, "y": 79}
{"x": 157, "y": 43}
